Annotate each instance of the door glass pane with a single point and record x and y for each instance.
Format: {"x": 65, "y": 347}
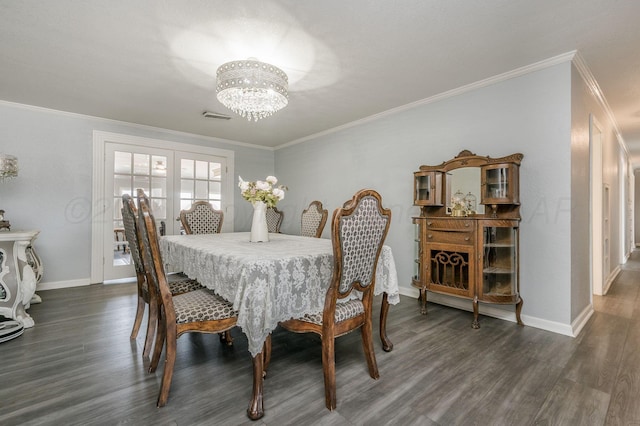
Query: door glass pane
{"x": 201, "y": 189}
{"x": 215, "y": 171}
{"x": 141, "y": 182}
{"x": 159, "y": 165}
{"x": 202, "y": 168}
{"x": 158, "y": 187}
{"x": 215, "y": 190}
{"x": 186, "y": 189}
{"x": 187, "y": 168}
{"x": 140, "y": 164}
{"x": 122, "y": 162}
{"x": 121, "y": 185}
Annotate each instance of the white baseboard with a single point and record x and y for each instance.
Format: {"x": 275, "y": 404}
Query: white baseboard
{"x": 571, "y": 330}
{"x": 53, "y": 285}
{"x": 612, "y": 276}
{"x": 579, "y": 323}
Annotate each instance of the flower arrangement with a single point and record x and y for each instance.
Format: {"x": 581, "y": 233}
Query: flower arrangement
{"x": 264, "y": 191}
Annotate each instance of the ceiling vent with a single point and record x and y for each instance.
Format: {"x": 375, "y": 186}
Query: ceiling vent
{"x": 217, "y": 115}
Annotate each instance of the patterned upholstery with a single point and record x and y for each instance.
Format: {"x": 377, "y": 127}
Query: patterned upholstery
{"x": 361, "y": 237}
{"x": 344, "y": 311}
{"x": 177, "y": 283}
{"x": 201, "y": 218}
{"x": 313, "y": 220}
{"x": 201, "y": 305}
{"x": 274, "y": 219}
{"x": 358, "y": 231}
{"x": 199, "y": 311}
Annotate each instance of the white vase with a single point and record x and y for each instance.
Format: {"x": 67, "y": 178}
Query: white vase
{"x": 259, "y": 230}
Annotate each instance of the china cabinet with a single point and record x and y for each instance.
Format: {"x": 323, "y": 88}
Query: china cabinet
{"x": 464, "y": 247}
{"x": 20, "y": 271}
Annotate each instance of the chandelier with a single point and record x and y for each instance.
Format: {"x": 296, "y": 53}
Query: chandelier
{"x": 251, "y": 88}
{"x": 8, "y": 166}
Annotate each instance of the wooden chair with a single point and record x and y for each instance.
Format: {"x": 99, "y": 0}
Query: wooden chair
{"x": 358, "y": 231}
{"x": 201, "y": 218}
{"x": 179, "y": 284}
{"x": 313, "y": 220}
{"x": 199, "y": 311}
{"x": 274, "y": 219}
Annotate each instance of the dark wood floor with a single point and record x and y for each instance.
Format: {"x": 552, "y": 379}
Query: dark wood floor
{"x": 78, "y": 366}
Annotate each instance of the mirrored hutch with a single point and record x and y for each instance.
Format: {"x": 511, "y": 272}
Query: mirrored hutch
{"x": 467, "y": 234}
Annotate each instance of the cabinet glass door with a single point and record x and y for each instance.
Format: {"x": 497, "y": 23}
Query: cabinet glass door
{"x": 428, "y": 189}
{"x": 499, "y": 263}
{"x": 498, "y": 183}
{"x": 417, "y": 263}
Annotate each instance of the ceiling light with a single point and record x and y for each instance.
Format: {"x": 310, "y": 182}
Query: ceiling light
{"x": 251, "y": 88}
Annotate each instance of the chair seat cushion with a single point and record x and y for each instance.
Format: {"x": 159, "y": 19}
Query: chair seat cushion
{"x": 201, "y": 305}
{"x": 179, "y": 284}
{"x": 344, "y": 311}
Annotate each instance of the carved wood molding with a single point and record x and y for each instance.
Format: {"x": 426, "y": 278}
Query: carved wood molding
{"x": 468, "y": 159}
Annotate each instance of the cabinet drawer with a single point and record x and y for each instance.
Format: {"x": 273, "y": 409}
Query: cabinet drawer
{"x": 465, "y": 238}
{"x": 457, "y": 225}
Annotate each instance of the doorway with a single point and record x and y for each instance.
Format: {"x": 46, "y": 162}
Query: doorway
{"x": 171, "y": 174}
{"x": 597, "y": 208}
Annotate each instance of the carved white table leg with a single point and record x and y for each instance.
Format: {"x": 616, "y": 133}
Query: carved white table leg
{"x": 20, "y": 271}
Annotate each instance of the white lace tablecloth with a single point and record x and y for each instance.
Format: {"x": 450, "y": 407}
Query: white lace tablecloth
{"x": 268, "y": 282}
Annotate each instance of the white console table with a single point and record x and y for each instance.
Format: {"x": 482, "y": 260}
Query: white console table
{"x": 20, "y": 272}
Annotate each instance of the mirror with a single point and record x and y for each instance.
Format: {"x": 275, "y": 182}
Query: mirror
{"x": 465, "y": 180}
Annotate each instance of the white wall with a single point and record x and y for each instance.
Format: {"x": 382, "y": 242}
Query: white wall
{"x": 584, "y": 104}
{"x": 53, "y": 190}
{"x": 528, "y": 114}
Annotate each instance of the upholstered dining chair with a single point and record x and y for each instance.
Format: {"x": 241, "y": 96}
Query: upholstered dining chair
{"x": 358, "y": 230}
{"x": 201, "y": 218}
{"x": 199, "y": 311}
{"x": 178, "y": 284}
{"x": 274, "y": 219}
{"x": 314, "y": 218}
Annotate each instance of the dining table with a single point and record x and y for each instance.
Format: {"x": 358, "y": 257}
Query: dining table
{"x": 268, "y": 282}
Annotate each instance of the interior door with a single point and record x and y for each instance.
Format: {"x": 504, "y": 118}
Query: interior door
{"x": 200, "y": 177}
{"x": 127, "y": 168}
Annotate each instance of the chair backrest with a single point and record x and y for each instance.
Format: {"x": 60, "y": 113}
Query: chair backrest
{"x": 129, "y": 218}
{"x": 358, "y": 231}
{"x": 274, "y": 219}
{"x": 201, "y": 218}
{"x": 152, "y": 259}
{"x": 313, "y": 220}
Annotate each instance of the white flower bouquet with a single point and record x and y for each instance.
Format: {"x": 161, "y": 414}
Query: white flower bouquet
{"x": 262, "y": 190}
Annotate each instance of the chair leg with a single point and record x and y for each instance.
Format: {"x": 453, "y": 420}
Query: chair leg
{"x": 138, "y": 320}
{"x": 367, "y": 346}
{"x": 329, "y": 369}
{"x": 169, "y": 363}
{"x": 225, "y": 337}
{"x": 152, "y": 322}
{"x": 157, "y": 349}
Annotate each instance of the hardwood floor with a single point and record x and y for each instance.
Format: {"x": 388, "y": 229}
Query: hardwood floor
{"x": 77, "y": 366}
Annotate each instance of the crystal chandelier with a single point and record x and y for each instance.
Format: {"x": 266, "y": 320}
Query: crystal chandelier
{"x": 251, "y": 88}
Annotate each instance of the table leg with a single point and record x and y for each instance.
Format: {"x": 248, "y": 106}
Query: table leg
{"x": 256, "y": 409}
{"x": 387, "y": 346}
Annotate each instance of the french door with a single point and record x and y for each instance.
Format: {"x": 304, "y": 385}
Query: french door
{"x": 172, "y": 178}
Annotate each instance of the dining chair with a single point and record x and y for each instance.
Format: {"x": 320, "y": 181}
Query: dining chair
{"x": 201, "y": 218}
{"x": 274, "y": 219}
{"x": 199, "y": 311}
{"x": 178, "y": 284}
{"x": 358, "y": 230}
{"x": 313, "y": 220}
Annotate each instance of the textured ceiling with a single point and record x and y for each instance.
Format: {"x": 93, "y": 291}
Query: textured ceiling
{"x": 153, "y": 62}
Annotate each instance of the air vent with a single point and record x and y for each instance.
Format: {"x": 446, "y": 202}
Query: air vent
{"x": 217, "y": 115}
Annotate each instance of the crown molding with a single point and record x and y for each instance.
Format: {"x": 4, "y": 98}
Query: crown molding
{"x": 565, "y": 57}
